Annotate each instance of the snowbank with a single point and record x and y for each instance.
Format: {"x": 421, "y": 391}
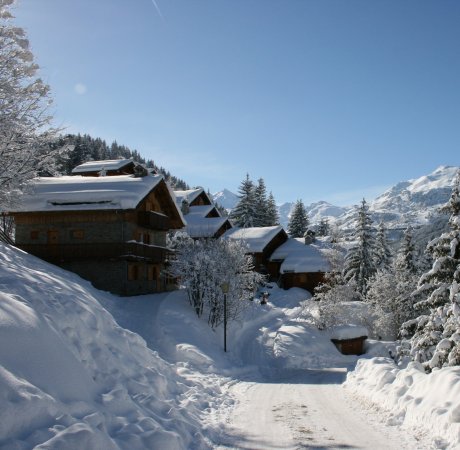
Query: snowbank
{"x": 411, "y": 397}
{"x": 71, "y": 377}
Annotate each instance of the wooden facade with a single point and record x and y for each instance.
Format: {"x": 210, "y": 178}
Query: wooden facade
{"x": 119, "y": 250}
{"x": 353, "y": 346}
{"x": 308, "y": 280}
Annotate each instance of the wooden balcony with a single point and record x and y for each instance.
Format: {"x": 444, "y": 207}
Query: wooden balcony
{"x": 95, "y": 251}
{"x": 154, "y": 220}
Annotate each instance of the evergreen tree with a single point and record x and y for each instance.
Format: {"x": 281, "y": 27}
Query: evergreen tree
{"x": 434, "y": 337}
{"x": 298, "y": 223}
{"x": 244, "y": 213}
{"x": 260, "y": 202}
{"x": 334, "y": 291}
{"x": 360, "y": 262}
{"x": 272, "y": 212}
{"x": 323, "y": 227}
{"x": 389, "y": 292}
{"x": 405, "y": 259}
{"x": 383, "y": 252}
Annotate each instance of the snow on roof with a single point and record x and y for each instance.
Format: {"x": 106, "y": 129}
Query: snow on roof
{"x": 202, "y": 227}
{"x": 257, "y": 238}
{"x": 300, "y": 258}
{"x": 189, "y": 195}
{"x": 71, "y": 193}
{"x": 201, "y": 210}
{"x": 109, "y": 164}
{"x": 341, "y": 332}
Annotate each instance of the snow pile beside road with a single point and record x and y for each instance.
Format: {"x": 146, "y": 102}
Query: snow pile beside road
{"x": 71, "y": 377}
{"x": 411, "y": 397}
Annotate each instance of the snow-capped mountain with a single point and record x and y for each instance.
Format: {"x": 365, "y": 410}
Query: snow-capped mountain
{"x": 412, "y": 202}
{"x": 225, "y": 198}
{"x": 320, "y": 210}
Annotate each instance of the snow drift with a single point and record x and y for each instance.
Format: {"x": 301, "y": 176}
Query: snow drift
{"x": 411, "y": 397}
{"x": 71, "y": 378}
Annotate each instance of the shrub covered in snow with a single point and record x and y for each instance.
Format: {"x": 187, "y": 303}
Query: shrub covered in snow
{"x": 203, "y": 266}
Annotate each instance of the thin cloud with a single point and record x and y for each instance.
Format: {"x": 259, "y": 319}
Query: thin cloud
{"x": 158, "y": 10}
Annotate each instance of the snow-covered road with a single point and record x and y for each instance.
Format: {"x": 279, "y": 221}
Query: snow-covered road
{"x": 305, "y": 409}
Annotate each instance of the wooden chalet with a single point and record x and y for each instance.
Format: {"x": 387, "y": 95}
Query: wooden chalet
{"x": 193, "y": 197}
{"x": 301, "y": 263}
{"x": 261, "y": 242}
{"x": 203, "y": 218}
{"x": 109, "y": 230}
{"x": 107, "y": 167}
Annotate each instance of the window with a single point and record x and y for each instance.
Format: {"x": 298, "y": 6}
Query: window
{"x": 77, "y": 234}
{"x": 133, "y": 272}
{"x": 53, "y": 237}
{"x": 151, "y": 272}
{"x": 34, "y": 234}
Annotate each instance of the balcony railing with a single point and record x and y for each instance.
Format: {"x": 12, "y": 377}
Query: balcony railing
{"x": 95, "y": 251}
{"x": 154, "y": 220}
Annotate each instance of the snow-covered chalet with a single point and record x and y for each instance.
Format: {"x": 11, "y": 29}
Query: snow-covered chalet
{"x": 106, "y": 167}
{"x": 301, "y": 262}
{"x": 203, "y": 219}
{"x": 110, "y": 230}
{"x": 261, "y": 243}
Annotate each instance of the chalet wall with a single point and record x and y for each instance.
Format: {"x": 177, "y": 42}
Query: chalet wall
{"x": 307, "y": 281}
{"x": 114, "y": 276}
{"x": 69, "y": 232}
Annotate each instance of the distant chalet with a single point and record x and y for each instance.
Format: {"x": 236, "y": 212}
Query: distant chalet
{"x": 107, "y": 167}
{"x": 261, "y": 243}
{"x": 202, "y": 217}
{"x": 110, "y": 230}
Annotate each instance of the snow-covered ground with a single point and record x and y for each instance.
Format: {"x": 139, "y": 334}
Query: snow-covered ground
{"x": 83, "y": 369}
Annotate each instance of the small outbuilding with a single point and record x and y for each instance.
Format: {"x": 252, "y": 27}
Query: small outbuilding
{"x": 349, "y": 339}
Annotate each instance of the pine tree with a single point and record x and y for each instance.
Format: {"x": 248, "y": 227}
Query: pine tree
{"x": 360, "y": 262}
{"x": 405, "y": 259}
{"x": 334, "y": 291}
{"x": 260, "y": 203}
{"x": 298, "y": 223}
{"x": 272, "y": 212}
{"x": 244, "y": 213}
{"x": 434, "y": 337}
{"x": 383, "y": 252}
{"x": 323, "y": 227}
{"x": 25, "y": 132}
{"x": 389, "y": 292}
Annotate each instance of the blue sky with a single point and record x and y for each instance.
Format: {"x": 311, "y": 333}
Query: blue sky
{"x": 325, "y": 99}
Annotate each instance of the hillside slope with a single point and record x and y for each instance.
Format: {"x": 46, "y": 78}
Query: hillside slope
{"x": 71, "y": 378}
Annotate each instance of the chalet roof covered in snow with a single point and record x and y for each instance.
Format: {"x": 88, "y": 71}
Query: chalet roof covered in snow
{"x": 257, "y": 238}
{"x": 201, "y": 210}
{"x": 201, "y": 227}
{"x": 188, "y": 195}
{"x": 300, "y": 258}
{"x": 95, "y": 166}
{"x": 70, "y": 193}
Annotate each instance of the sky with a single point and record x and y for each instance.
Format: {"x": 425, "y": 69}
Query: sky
{"x": 331, "y": 100}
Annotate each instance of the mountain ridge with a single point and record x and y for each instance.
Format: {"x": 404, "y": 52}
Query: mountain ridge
{"x": 410, "y": 202}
